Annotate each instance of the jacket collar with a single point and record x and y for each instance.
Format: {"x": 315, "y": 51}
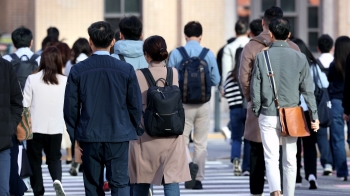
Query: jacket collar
{"x": 280, "y": 43}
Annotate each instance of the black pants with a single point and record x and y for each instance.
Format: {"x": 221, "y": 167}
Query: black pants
{"x": 114, "y": 156}
{"x": 17, "y": 186}
{"x": 51, "y": 144}
{"x": 310, "y": 153}
{"x": 257, "y": 168}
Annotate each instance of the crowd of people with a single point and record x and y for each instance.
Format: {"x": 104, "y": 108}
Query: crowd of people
{"x": 125, "y": 109}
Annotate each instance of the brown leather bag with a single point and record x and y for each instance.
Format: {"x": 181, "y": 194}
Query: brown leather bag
{"x": 292, "y": 119}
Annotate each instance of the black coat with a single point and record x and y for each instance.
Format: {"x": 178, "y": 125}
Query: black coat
{"x": 346, "y": 92}
{"x": 10, "y": 104}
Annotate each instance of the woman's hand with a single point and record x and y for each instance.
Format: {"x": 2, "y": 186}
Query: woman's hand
{"x": 315, "y": 125}
{"x": 346, "y": 117}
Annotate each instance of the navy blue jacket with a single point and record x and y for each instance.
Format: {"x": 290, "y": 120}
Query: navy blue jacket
{"x": 102, "y": 101}
{"x": 336, "y": 83}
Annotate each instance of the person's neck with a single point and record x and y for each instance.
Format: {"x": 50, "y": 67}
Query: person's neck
{"x": 197, "y": 39}
{"x": 243, "y": 35}
{"x": 265, "y": 28}
{"x": 100, "y": 49}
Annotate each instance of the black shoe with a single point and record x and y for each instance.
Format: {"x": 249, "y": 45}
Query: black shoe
{"x": 193, "y": 171}
{"x": 68, "y": 162}
{"x": 345, "y": 179}
{"x": 198, "y": 185}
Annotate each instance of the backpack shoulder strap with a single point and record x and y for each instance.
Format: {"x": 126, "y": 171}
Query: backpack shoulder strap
{"x": 320, "y": 64}
{"x": 121, "y": 57}
{"x": 149, "y": 78}
{"x": 15, "y": 57}
{"x": 203, "y": 53}
{"x": 271, "y": 76}
{"x": 183, "y": 52}
{"x": 34, "y": 57}
{"x": 169, "y": 76}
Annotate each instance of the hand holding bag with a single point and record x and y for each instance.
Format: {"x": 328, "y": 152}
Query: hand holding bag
{"x": 292, "y": 119}
{"x": 24, "y": 128}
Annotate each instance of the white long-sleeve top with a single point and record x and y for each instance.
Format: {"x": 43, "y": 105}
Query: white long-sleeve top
{"x": 46, "y": 103}
{"x": 228, "y": 57}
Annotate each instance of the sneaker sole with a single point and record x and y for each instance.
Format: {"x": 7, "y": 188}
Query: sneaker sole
{"x": 312, "y": 184}
{"x": 190, "y": 184}
{"x": 237, "y": 171}
{"x": 59, "y": 190}
{"x": 327, "y": 173}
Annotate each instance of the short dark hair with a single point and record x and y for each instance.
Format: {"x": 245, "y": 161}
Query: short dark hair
{"x": 273, "y": 12}
{"x": 131, "y": 27}
{"x": 156, "y": 48}
{"x": 256, "y": 27}
{"x": 280, "y": 28}
{"x": 22, "y": 37}
{"x": 80, "y": 46}
{"x": 193, "y": 29}
{"x": 48, "y": 41}
{"x": 241, "y": 27}
{"x": 325, "y": 43}
{"x": 51, "y": 64}
{"x": 65, "y": 52}
{"x": 53, "y": 31}
{"x": 101, "y": 34}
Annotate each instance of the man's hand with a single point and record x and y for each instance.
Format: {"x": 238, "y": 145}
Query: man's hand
{"x": 80, "y": 149}
{"x": 346, "y": 117}
{"x": 315, "y": 125}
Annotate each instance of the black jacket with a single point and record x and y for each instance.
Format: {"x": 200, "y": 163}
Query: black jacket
{"x": 102, "y": 101}
{"x": 11, "y": 107}
{"x": 346, "y": 92}
{"x": 336, "y": 83}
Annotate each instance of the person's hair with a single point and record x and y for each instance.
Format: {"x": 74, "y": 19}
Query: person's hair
{"x": 325, "y": 43}
{"x": 256, "y": 27}
{"x": 117, "y": 38}
{"x": 53, "y": 31}
{"x": 48, "y": 41}
{"x": 65, "y": 52}
{"x": 22, "y": 37}
{"x": 341, "y": 51}
{"x": 305, "y": 50}
{"x": 193, "y": 29}
{"x": 273, "y": 12}
{"x": 80, "y": 46}
{"x": 131, "y": 27}
{"x": 237, "y": 63}
{"x": 280, "y": 28}
{"x": 156, "y": 48}
{"x": 51, "y": 64}
{"x": 101, "y": 34}
{"x": 241, "y": 27}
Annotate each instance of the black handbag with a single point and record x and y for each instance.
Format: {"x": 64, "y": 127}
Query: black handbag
{"x": 26, "y": 170}
{"x": 324, "y": 106}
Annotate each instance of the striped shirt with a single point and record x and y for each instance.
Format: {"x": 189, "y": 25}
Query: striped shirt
{"x": 232, "y": 92}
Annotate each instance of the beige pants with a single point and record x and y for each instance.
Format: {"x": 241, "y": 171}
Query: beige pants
{"x": 197, "y": 118}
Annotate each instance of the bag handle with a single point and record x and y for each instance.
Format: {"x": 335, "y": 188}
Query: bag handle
{"x": 271, "y": 77}
{"x": 149, "y": 78}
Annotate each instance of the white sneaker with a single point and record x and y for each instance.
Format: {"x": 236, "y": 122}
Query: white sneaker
{"x": 58, "y": 188}
{"x": 298, "y": 184}
{"x": 327, "y": 170}
{"x": 246, "y": 173}
{"x": 312, "y": 182}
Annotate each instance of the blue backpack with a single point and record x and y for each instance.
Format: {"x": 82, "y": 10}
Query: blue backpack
{"x": 194, "y": 78}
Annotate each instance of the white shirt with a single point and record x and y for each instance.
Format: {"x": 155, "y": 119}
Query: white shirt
{"x": 46, "y": 103}
{"x": 228, "y": 57}
{"x": 326, "y": 59}
{"x": 20, "y": 52}
{"x": 69, "y": 64}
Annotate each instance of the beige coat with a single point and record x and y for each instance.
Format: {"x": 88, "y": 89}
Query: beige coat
{"x": 152, "y": 158}
{"x": 252, "y": 130}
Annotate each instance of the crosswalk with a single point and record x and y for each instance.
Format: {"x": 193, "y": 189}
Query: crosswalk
{"x": 219, "y": 181}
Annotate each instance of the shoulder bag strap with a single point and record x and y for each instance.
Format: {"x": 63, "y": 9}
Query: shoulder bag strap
{"x": 320, "y": 64}
{"x": 169, "y": 76}
{"x": 121, "y": 57}
{"x": 271, "y": 77}
{"x": 183, "y": 52}
{"x": 148, "y": 76}
{"x": 203, "y": 53}
{"x": 316, "y": 76}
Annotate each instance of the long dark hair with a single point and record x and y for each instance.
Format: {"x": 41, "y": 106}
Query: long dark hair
{"x": 341, "y": 51}
{"x": 80, "y": 46}
{"x": 305, "y": 50}
{"x": 234, "y": 72}
{"x": 51, "y": 64}
{"x": 65, "y": 52}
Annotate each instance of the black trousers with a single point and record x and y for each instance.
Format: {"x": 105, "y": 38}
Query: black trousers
{"x": 114, "y": 156}
{"x": 51, "y": 144}
{"x": 310, "y": 153}
{"x": 257, "y": 168}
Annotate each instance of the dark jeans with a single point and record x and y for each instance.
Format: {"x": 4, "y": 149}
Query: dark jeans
{"x": 338, "y": 139}
{"x": 114, "y": 156}
{"x": 257, "y": 168}
{"x": 5, "y": 165}
{"x": 17, "y": 186}
{"x": 324, "y": 147}
{"x": 51, "y": 144}
{"x": 172, "y": 189}
{"x": 310, "y": 154}
{"x": 237, "y": 123}
{"x": 348, "y": 125}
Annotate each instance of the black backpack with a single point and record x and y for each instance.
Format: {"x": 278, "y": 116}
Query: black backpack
{"x": 164, "y": 115}
{"x": 194, "y": 78}
{"x": 24, "y": 68}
